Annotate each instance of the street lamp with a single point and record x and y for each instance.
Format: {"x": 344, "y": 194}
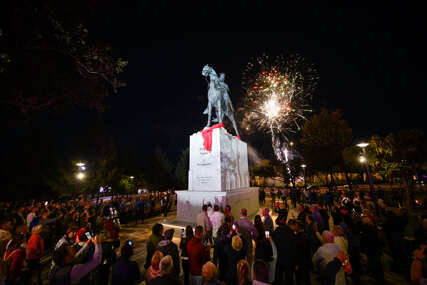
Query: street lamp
{"x": 303, "y": 167}
{"x": 80, "y": 176}
{"x": 80, "y": 164}
{"x": 363, "y": 159}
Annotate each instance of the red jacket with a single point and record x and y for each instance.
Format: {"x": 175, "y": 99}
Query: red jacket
{"x": 35, "y": 247}
{"x": 15, "y": 261}
{"x": 197, "y": 255}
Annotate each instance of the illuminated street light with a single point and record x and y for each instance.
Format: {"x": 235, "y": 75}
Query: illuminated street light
{"x": 291, "y": 143}
{"x": 363, "y": 159}
{"x": 80, "y": 164}
{"x": 80, "y": 175}
{"x": 131, "y": 177}
{"x": 303, "y": 167}
{"x": 362, "y": 145}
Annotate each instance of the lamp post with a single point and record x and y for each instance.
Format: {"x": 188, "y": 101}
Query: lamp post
{"x": 132, "y": 178}
{"x": 363, "y": 159}
{"x": 303, "y": 167}
{"x": 80, "y": 175}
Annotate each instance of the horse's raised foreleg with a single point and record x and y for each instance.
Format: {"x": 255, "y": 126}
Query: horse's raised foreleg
{"x": 209, "y": 115}
{"x": 231, "y": 117}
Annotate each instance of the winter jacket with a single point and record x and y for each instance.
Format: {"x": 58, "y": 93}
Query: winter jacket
{"x": 164, "y": 280}
{"x": 323, "y": 256}
{"x": 167, "y": 247}
{"x": 268, "y": 224}
{"x": 284, "y": 239}
{"x": 197, "y": 254}
{"x": 152, "y": 243}
{"x": 35, "y": 247}
{"x": 125, "y": 272}
{"x": 233, "y": 257}
{"x": 263, "y": 250}
{"x": 15, "y": 262}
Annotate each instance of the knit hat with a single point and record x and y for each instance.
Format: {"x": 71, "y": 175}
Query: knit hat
{"x": 281, "y": 220}
{"x": 169, "y": 234}
{"x": 82, "y": 235}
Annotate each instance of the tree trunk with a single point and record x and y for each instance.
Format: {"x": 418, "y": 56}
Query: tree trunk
{"x": 347, "y": 178}
{"x": 332, "y": 179}
{"x": 407, "y": 192}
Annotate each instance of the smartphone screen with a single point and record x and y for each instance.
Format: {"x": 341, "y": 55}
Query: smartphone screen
{"x": 45, "y": 203}
{"x": 267, "y": 234}
{"x": 88, "y": 235}
{"x": 182, "y": 232}
{"x": 234, "y": 227}
{"x": 129, "y": 242}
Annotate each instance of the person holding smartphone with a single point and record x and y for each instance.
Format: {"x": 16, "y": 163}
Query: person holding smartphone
{"x": 263, "y": 248}
{"x": 184, "y": 255}
{"x": 167, "y": 247}
{"x": 66, "y": 271}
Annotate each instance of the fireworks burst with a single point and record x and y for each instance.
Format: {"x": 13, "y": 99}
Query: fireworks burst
{"x": 279, "y": 90}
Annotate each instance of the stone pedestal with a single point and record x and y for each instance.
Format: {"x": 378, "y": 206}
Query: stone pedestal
{"x": 220, "y": 177}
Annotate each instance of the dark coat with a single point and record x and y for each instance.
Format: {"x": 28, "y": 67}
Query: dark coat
{"x": 304, "y": 247}
{"x": 167, "y": 247}
{"x": 263, "y": 250}
{"x": 164, "y": 280}
{"x": 233, "y": 258}
{"x": 125, "y": 272}
{"x": 284, "y": 239}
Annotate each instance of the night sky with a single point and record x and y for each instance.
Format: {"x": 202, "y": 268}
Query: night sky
{"x": 370, "y": 63}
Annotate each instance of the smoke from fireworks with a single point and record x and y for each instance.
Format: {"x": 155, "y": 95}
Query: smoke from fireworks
{"x": 279, "y": 90}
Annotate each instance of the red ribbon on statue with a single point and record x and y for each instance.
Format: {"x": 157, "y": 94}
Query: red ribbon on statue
{"x": 207, "y": 136}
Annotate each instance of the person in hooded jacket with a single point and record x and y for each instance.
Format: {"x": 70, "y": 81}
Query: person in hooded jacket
{"x": 184, "y": 255}
{"x": 234, "y": 252}
{"x": 167, "y": 247}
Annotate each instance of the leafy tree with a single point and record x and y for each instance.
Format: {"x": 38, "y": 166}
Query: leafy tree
{"x": 49, "y": 60}
{"x": 410, "y": 153}
{"x": 181, "y": 171}
{"x": 380, "y": 156}
{"x": 96, "y": 146}
{"x": 264, "y": 169}
{"x": 126, "y": 184}
{"x": 351, "y": 160}
{"x": 289, "y": 171}
{"x": 402, "y": 154}
{"x": 324, "y": 137}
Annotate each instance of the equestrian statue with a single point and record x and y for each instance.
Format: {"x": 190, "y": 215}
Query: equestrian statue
{"x": 218, "y": 98}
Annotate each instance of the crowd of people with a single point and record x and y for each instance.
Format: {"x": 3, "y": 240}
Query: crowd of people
{"x": 332, "y": 237}
{"x": 74, "y": 241}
